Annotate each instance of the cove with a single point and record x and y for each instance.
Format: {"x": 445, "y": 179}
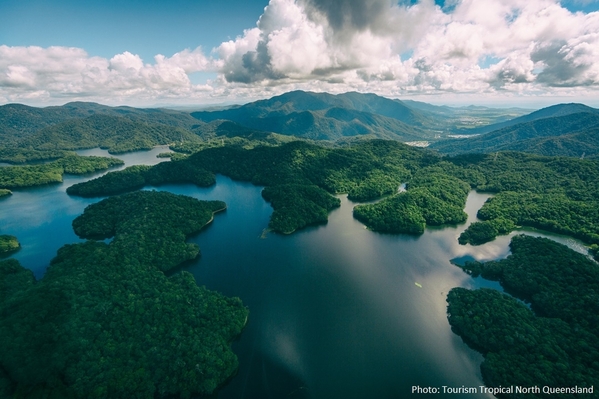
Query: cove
{"x": 334, "y": 309}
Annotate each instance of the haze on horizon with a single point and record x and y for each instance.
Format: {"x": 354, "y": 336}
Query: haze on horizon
{"x": 528, "y": 53}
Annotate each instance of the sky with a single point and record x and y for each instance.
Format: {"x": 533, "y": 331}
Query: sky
{"x": 528, "y": 53}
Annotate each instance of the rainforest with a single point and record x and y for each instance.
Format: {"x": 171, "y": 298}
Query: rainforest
{"x": 134, "y": 305}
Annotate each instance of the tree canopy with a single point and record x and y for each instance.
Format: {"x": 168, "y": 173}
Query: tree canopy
{"x": 555, "y": 342}
{"x": 106, "y": 322}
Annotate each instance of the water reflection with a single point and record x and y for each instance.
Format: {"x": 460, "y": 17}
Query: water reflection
{"x": 40, "y": 217}
{"x": 334, "y": 309}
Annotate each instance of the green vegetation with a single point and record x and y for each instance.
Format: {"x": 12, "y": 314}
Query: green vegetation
{"x": 550, "y": 193}
{"x": 8, "y": 244}
{"x": 77, "y": 165}
{"x": 4, "y": 192}
{"x": 130, "y": 178}
{"x": 137, "y": 176}
{"x": 322, "y": 116}
{"x": 300, "y": 176}
{"x": 22, "y": 155}
{"x": 565, "y": 135}
{"x": 558, "y": 344}
{"x": 114, "y": 133}
{"x": 105, "y": 322}
{"x": 594, "y": 250}
{"x": 557, "y": 194}
{"x": 36, "y": 175}
{"x": 433, "y": 198}
{"x": 481, "y": 232}
{"x": 153, "y": 236}
{"x": 29, "y": 176}
{"x": 552, "y": 212}
{"x": 297, "y": 206}
{"x": 375, "y": 184}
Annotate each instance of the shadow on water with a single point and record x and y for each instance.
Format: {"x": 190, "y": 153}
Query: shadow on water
{"x": 335, "y": 311}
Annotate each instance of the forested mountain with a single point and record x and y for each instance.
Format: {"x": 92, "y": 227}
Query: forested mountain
{"x": 564, "y": 135}
{"x": 547, "y": 112}
{"x": 25, "y": 131}
{"x": 324, "y": 116}
{"x": 300, "y": 101}
{"x": 317, "y": 116}
{"x": 18, "y": 121}
{"x": 116, "y": 133}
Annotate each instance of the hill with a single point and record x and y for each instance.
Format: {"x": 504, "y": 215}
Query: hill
{"x": 324, "y": 116}
{"x": 564, "y": 135}
{"x": 19, "y": 121}
{"x": 117, "y": 134}
{"x": 547, "y": 112}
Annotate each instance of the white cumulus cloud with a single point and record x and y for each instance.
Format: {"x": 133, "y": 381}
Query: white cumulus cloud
{"x": 474, "y": 47}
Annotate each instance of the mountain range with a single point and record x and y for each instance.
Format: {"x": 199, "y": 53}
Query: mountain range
{"x": 563, "y": 129}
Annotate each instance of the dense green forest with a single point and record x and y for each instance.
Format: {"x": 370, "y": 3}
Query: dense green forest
{"x": 433, "y": 198}
{"x": 552, "y": 212}
{"x": 22, "y": 155}
{"x": 296, "y": 206}
{"x": 106, "y": 322}
{"x": 116, "y": 134}
{"x": 551, "y": 193}
{"x": 301, "y": 177}
{"x": 137, "y": 176}
{"x": 8, "y": 244}
{"x": 556, "y": 342}
{"x": 481, "y": 232}
{"x": 149, "y": 234}
{"x": 36, "y": 175}
{"x": 565, "y": 135}
{"x": 323, "y": 116}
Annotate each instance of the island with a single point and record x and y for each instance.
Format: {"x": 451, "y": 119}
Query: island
{"x": 52, "y": 172}
{"x": 544, "y": 331}
{"x": 8, "y": 244}
{"x": 138, "y": 176}
{"x": 106, "y": 321}
{"x": 551, "y": 193}
{"x": 4, "y": 192}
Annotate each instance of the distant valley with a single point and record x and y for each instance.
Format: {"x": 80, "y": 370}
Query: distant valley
{"x": 350, "y": 157}
{"x": 563, "y": 129}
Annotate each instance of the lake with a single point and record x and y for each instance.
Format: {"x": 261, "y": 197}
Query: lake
{"x": 335, "y": 311}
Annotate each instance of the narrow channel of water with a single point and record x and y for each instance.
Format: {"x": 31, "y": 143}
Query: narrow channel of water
{"x": 336, "y": 311}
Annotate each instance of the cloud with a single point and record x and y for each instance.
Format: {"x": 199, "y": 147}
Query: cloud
{"x": 65, "y": 72}
{"x": 538, "y": 47}
{"x": 360, "y": 42}
{"x": 568, "y": 63}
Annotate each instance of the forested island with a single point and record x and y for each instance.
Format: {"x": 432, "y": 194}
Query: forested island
{"x": 52, "y": 172}
{"x": 8, "y": 244}
{"x": 550, "y": 193}
{"x": 556, "y": 341}
{"x": 105, "y": 321}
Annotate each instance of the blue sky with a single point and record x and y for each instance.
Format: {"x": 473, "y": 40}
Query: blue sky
{"x": 105, "y": 28}
{"x": 496, "y": 52}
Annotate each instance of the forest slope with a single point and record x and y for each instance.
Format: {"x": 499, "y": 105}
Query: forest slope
{"x": 570, "y": 135}
{"x": 106, "y": 322}
{"x": 555, "y": 343}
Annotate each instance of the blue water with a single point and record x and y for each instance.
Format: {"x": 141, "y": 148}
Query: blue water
{"x": 335, "y": 311}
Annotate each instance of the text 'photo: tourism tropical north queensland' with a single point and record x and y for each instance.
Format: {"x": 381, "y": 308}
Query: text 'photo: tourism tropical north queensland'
{"x": 299, "y": 199}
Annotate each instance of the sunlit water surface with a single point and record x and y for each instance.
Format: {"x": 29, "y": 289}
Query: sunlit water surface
{"x": 335, "y": 311}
